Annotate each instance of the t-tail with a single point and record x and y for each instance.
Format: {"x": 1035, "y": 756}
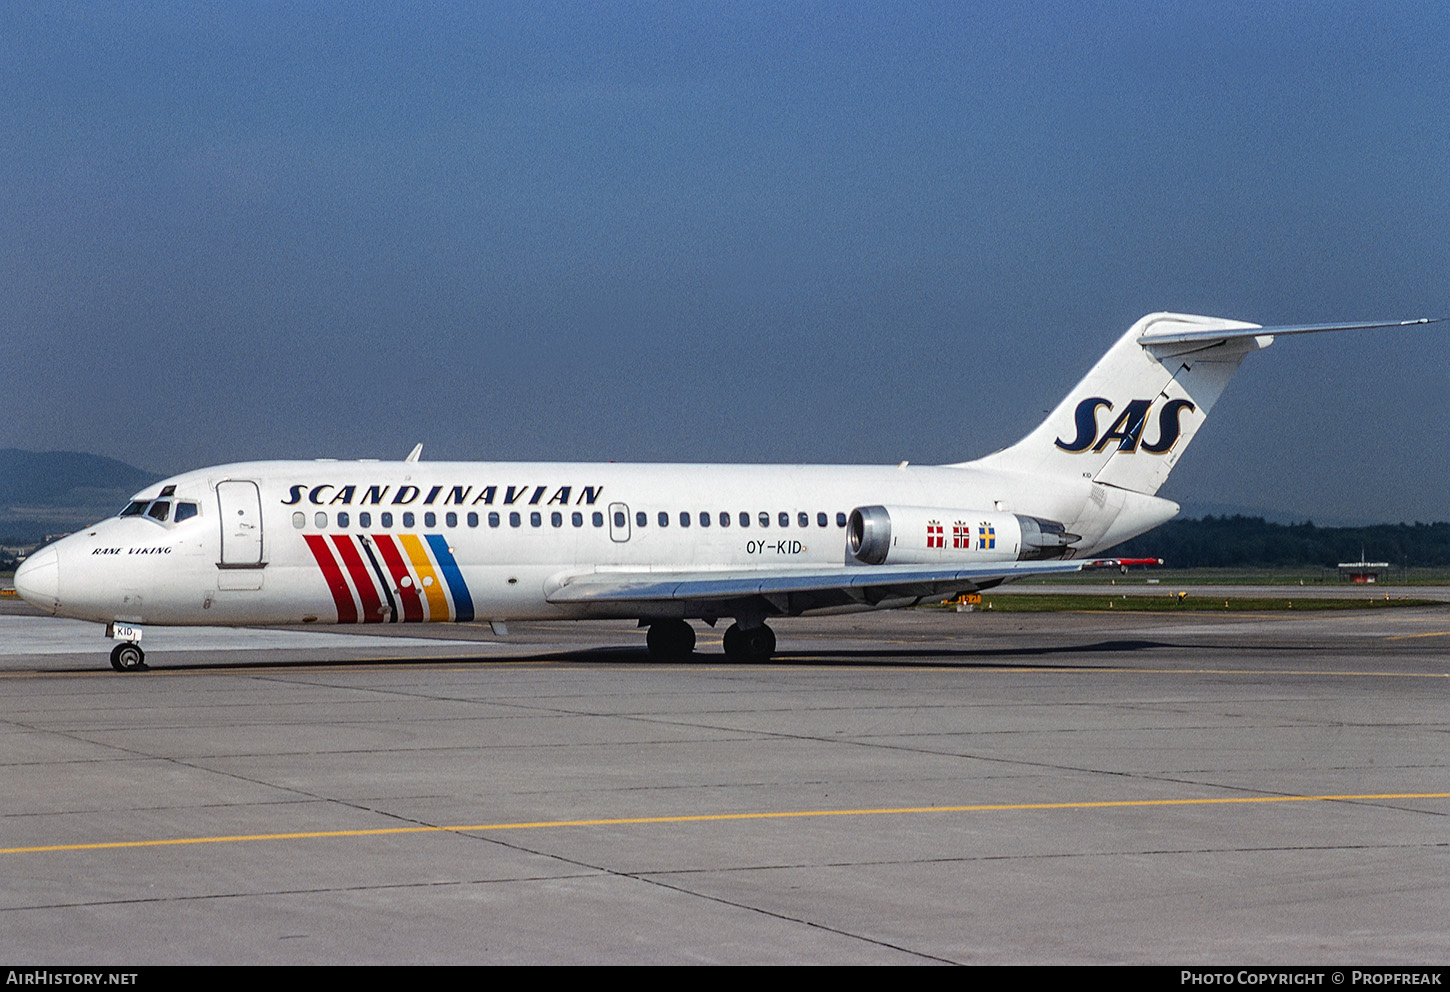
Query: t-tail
{"x": 1129, "y": 420}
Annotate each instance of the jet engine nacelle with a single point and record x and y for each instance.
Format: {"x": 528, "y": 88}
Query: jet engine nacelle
{"x": 914, "y": 535}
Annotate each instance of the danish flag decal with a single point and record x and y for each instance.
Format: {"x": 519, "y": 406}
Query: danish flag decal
{"x": 935, "y": 538}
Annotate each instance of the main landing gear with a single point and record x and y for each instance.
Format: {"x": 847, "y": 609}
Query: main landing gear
{"x": 670, "y": 640}
{"x": 674, "y": 640}
{"x": 753, "y": 644}
{"x": 128, "y": 657}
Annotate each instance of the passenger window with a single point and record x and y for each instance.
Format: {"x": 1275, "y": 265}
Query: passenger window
{"x": 493, "y": 519}
{"x": 430, "y": 519}
{"x": 320, "y": 519}
{"x": 473, "y": 520}
{"x": 299, "y": 520}
{"x": 451, "y": 519}
{"x": 641, "y": 518}
{"x": 764, "y": 518}
{"x": 744, "y": 519}
{"x": 724, "y": 519}
{"x": 159, "y": 510}
{"x": 185, "y": 511}
{"x": 342, "y": 519}
{"x": 598, "y": 519}
{"x": 577, "y": 519}
{"x": 820, "y": 520}
{"x": 536, "y": 519}
{"x": 664, "y": 519}
{"x": 803, "y": 519}
{"x": 840, "y": 520}
{"x": 364, "y": 519}
{"x": 705, "y": 519}
{"x": 619, "y": 518}
{"x": 556, "y": 518}
{"x": 387, "y": 520}
{"x": 515, "y": 520}
{"x": 684, "y": 518}
{"x": 408, "y": 519}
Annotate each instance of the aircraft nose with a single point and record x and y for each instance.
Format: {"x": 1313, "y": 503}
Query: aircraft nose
{"x": 37, "y": 580}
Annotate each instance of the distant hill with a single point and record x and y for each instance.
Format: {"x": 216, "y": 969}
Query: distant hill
{"x": 1238, "y": 541}
{"x": 1193, "y": 509}
{"x": 49, "y": 492}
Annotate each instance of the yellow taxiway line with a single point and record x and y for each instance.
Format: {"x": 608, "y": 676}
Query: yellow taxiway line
{"x": 721, "y": 817}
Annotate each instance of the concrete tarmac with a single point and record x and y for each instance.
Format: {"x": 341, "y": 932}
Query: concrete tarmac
{"x": 911, "y": 787}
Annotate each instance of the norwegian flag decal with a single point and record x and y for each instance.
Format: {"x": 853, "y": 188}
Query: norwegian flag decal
{"x": 961, "y": 534}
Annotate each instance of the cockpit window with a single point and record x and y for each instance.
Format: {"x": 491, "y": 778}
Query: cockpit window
{"x": 160, "y": 509}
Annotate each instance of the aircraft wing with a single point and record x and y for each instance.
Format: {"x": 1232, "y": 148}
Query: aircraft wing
{"x": 789, "y": 591}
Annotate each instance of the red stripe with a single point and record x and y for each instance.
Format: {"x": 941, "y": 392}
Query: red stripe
{"x": 336, "y": 584}
{"x": 362, "y": 579}
{"x": 407, "y": 593}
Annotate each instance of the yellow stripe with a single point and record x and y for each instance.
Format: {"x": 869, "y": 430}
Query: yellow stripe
{"x": 432, "y": 586}
{"x": 718, "y": 817}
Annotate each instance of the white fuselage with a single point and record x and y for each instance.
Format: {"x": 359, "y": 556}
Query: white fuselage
{"x": 333, "y": 541}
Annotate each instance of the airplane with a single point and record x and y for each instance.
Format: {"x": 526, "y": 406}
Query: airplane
{"x": 371, "y": 542}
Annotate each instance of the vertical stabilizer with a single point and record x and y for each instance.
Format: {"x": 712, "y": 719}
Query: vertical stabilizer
{"x": 1130, "y": 418}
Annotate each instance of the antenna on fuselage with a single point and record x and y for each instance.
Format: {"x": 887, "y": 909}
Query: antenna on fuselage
{"x": 416, "y": 453}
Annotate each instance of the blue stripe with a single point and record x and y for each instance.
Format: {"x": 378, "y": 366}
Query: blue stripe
{"x": 462, "y": 601}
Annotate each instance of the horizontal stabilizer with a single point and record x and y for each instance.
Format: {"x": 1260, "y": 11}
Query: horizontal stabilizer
{"x": 1173, "y": 334}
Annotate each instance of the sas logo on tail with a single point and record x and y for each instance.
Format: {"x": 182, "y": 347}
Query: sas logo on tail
{"x": 1127, "y": 429}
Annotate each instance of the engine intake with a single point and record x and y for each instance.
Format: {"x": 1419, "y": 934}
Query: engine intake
{"x": 868, "y": 533}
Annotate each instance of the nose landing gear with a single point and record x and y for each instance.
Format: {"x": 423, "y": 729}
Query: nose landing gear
{"x": 128, "y": 657}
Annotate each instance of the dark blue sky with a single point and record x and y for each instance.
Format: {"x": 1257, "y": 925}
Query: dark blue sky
{"x": 722, "y": 231}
